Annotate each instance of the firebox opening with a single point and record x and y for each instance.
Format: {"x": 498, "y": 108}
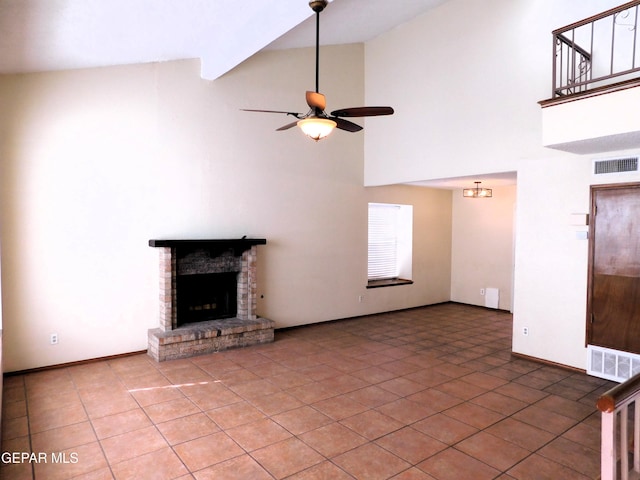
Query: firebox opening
{"x": 208, "y": 296}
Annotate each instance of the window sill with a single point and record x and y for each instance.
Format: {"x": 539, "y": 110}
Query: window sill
{"x": 390, "y": 282}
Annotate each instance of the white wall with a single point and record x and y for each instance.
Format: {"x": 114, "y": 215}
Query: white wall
{"x": 482, "y": 246}
{"x": 94, "y": 163}
{"x": 465, "y": 80}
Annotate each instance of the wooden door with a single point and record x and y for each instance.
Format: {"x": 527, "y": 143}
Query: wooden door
{"x": 613, "y": 303}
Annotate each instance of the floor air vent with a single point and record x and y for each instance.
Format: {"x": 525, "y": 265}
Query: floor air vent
{"x": 615, "y": 165}
{"x": 612, "y": 364}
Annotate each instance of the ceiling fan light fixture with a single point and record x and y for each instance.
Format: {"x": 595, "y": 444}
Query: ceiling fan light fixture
{"x": 316, "y": 128}
{"x": 477, "y": 192}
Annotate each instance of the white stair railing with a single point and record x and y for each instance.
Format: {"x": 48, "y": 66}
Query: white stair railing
{"x": 620, "y": 435}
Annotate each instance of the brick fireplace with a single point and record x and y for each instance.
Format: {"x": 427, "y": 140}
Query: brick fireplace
{"x": 207, "y": 298}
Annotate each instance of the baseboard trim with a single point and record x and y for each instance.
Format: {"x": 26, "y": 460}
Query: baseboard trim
{"x": 72, "y": 364}
{"x": 548, "y": 363}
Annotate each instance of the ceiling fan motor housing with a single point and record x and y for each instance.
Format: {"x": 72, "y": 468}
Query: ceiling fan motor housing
{"x": 318, "y": 5}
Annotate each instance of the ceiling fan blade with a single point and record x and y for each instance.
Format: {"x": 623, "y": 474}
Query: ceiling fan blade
{"x": 362, "y": 112}
{"x": 297, "y": 115}
{"x": 316, "y": 100}
{"x": 343, "y": 124}
{"x": 287, "y": 126}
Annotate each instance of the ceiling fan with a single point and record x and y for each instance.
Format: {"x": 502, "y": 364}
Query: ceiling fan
{"x": 316, "y": 123}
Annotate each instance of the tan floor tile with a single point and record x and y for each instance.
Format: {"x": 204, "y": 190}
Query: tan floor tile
{"x": 521, "y": 434}
{"x": 102, "y": 403}
{"x": 205, "y": 451}
{"x": 13, "y": 409}
{"x": 565, "y": 407}
{"x": 235, "y": 414}
{"x": 254, "y": 388}
{"x": 99, "y": 474}
{"x": 521, "y": 392}
{"x": 461, "y": 389}
{"x": 161, "y": 464}
{"x": 70, "y": 463}
{"x": 450, "y": 464}
{"x": 56, "y": 418}
{"x": 493, "y": 451}
{"x": 216, "y": 396}
{"x": 372, "y": 396}
{"x": 120, "y": 423}
{"x": 258, "y": 434}
{"x": 63, "y": 438}
{"x": 340, "y": 407}
{"x": 411, "y": 445}
{"x": 474, "y": 415}
{"x": 547, "y": 420}
{"x": 276, "y": 403}
{"x": 402, "y": 387}
{"x": 333, "y": 439}
{"x": 323, "y": 471}
{"x": 287, "y": 457}
{"x": 444, "y": 428}
{"x": 239, "y": 468}
{"x": 413, "y": 474}
{"x": 405, "y": 411}
{"x": 423, "y": 378}
{"x": 371, "y": 462}
{"x": 573, "y": 455}
{"x": 163, "y": 412}
{"x": 435, "y": 399}
{"x": 499, "y": 403}
{"x": 311, "y": 393}
{"x": 301, "y": 420}
{"x": 187, "y": 428}
{"x": 132, "y": 444}
{"x": 542, "y": 468}
{"x": 372, "y": 424}
{"x": 15, "y": 427}
{"x": 146, "y": 396}
{"x": 53, "y": 401}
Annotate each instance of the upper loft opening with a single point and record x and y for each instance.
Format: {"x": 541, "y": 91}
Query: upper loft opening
{"x": 595, "y": 81}
{"x": 596, "y": 55}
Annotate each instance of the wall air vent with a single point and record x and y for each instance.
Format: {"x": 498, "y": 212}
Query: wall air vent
{"x": 612, "y": 364}
{"x": 615, "y": 165}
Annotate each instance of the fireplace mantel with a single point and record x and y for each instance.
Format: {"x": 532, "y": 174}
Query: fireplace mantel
{"x": 238, "y": 245}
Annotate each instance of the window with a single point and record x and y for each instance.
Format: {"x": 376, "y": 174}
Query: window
{"x": 390, "y": 244}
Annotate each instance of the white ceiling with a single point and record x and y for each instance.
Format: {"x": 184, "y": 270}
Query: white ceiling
{"x": 44, "y": 35}
{"x": 47, "y": 35}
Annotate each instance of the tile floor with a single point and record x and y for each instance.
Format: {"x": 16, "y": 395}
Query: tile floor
{"x": 428, "y": 393}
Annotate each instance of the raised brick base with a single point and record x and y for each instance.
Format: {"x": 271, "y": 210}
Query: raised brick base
{"x": 208, "y": 337}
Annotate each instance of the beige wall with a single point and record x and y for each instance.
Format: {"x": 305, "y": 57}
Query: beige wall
{"x": 94, "y": 163}
{"x": 482, "y": 246}
{"x": 466, "y": 79}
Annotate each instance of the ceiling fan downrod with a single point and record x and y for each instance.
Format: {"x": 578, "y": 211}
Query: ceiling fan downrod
{"x": 318, "y": 6}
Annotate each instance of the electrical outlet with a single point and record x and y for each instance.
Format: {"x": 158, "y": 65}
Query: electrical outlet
{"x": 482, "y": 291}
{"x": 360, "y": 298}
{"x": 525, "y": 331}
{"x": 53, "y": 339}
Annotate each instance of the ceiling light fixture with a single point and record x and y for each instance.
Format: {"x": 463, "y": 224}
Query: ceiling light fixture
{"x": 477, "y": 192}
{"x": 316, "y": 127}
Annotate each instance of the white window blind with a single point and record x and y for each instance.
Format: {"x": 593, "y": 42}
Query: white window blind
{"x": 383, "y": 240}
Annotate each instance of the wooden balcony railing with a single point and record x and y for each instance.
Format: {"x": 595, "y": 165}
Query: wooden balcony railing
{"x": 620, "y": 435}
{"x": 598, "y": 51}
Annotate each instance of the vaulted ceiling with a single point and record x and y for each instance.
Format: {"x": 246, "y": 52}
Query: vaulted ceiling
{"x": 44, "y": 35}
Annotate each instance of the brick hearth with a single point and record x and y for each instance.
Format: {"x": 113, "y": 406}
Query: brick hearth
{"x": 172, "y": 339}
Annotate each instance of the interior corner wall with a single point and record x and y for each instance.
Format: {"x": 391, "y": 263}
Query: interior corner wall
{"x": 482, "y": 247}
{"x": 94, "y": 163}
